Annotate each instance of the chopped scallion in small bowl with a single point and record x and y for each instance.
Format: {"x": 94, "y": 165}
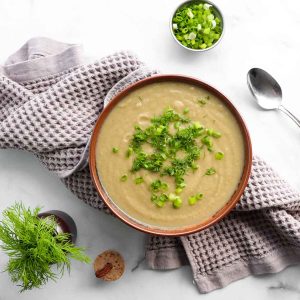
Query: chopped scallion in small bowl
{"x": 197, "y": 25}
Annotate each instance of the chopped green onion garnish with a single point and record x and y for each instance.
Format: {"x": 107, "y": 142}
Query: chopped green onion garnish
{"x": 206, "y": 6}
{"x": 199, "y": 196}
{"x": 186, "y": 110}
{"x": 173, "y": 154}
{"x": 177, "y": 125}
{"x": 202, "y": 102}
{"x": 210, "y": 171}
{"x": 219, "y": 155}
{"x": 192, "y": 200}
{"x": 206, "y": 31}
{"x": 178, "y": 191}
{"x": 159, "y": 200}
{"x": 196, "y": 26}
{"x": 163, "y": 197}
{"x": 138, "y": 180}
{"x": 197, "y": 125}
{"x": 194, "y": 166}
{"x": 157, "y": 186}
{"x": 124, "y": 177}
{"x": 164, "y": 186}
{"x": 207, "y": 141}
{"x": 115, "y": 150}
{"x": 159, "y": 203}
{"x": 209, "y": 131}
{"x": 192, "y": 36}
{"x": 129, "y": 152}
{"x": 177, "y": 203}
{"x": 154, "y": 197}
{"x": 176, "y": 200}
{"x": 213, "y": 133}
{"x": 216, "y": 134}
{"x": 190, "y": 13}
{"x": 181, "y": 185}
{"x": 172, "y": 197}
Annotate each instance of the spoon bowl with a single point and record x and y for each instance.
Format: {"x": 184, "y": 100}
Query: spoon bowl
{"x": 267, "y": 92}
{"x": 265, "y": 89}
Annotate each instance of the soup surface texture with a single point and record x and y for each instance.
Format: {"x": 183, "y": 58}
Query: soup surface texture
{"x": 215, "y": 178}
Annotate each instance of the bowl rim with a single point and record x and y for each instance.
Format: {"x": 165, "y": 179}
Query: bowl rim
{"x": 204, "y": 1}
{"x": 184, "y": 230}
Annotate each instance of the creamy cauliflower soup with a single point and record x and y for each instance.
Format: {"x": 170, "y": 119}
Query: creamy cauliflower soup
{"x": 170, "y": 154}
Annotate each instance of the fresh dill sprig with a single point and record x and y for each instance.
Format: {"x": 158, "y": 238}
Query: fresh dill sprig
{"x": 37, "y": 252}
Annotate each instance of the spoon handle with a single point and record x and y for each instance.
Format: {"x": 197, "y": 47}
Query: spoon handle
{"x": 287, "y": 112}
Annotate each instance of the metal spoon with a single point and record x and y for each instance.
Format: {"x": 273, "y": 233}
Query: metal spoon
{"x": 267, "y": 92}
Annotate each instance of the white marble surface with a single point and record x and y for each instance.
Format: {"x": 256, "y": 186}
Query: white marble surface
{"x": 259, "y": 33}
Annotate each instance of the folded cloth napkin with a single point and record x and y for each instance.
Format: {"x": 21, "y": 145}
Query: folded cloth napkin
{"x": 49, "y": 103}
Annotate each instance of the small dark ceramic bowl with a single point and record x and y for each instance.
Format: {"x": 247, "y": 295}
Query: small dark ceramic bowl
{"x": 186, "y": 229}
{"x": 65, "y": 223}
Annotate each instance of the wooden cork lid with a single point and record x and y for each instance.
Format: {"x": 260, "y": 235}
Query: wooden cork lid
{"x": 109, "y": 265}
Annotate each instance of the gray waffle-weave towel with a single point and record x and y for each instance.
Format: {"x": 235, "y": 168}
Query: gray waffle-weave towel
{"x": 49, "y": 102}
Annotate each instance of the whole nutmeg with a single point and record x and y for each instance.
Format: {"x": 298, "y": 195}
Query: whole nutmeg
{"x": 109, "y": 265}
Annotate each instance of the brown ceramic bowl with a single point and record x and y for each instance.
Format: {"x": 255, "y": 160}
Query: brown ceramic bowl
{"x": 187, "y": 229}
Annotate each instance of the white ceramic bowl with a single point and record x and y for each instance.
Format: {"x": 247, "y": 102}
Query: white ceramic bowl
{"x": 217, "y": 12}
